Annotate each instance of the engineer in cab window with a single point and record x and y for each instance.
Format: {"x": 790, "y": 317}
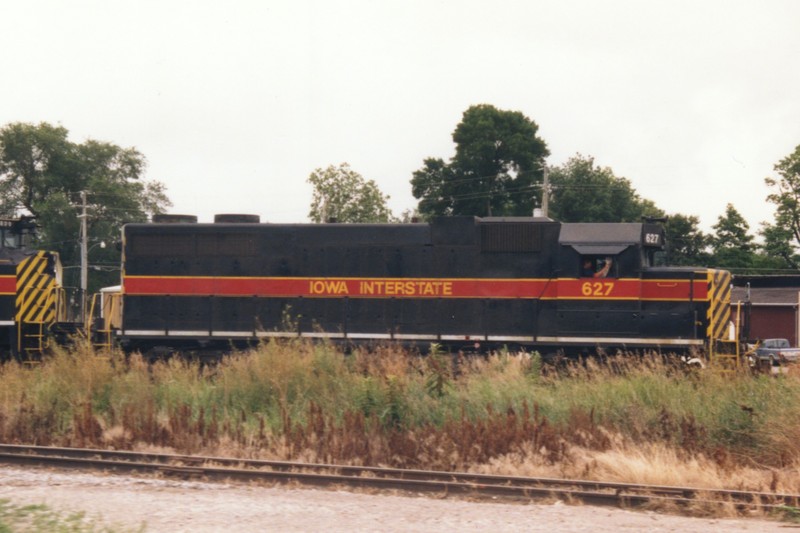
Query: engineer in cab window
{"x": 604, "y": 268}
{"x": 587, "y": 267}
{"x": 591, "y": 268}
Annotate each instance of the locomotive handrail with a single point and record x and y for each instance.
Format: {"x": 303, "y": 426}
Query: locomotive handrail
{"x": 102, "y": 331}
{"x": 90, "y": 315}
{"x": 61, "y": 304}
{"x": 32, "y": 335}
{"x": 726, "y": 354}
{"x": 116, "y": 306}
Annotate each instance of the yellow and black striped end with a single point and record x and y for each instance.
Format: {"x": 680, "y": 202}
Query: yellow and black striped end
{"x": 719, "y": 303}
{"x": 36, "y": 289}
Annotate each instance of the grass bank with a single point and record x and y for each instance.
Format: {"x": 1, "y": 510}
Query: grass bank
{"x": 629, "y": 419}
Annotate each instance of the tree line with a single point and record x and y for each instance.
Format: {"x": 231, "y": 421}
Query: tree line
{"x": 497, "y": 169}
{"x": 42, "y": 176}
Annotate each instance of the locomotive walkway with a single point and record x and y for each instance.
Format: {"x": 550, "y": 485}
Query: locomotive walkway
{"x": 416, "y": 481}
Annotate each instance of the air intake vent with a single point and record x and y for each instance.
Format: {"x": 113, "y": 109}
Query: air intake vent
{"x": 504, "y": 237}
{"x": 174, "y": 219}
{"x": 236, "y": 219}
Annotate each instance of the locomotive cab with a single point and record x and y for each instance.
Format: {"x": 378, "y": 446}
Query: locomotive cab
{"x": 591, "y": 250}
{"x": 601, "y": 298}
{"x": 15, "y": 234}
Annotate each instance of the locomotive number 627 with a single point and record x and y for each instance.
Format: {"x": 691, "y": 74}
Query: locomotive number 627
{"x": 457, "y": 281}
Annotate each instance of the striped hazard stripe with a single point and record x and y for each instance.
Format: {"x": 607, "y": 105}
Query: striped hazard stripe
{"x": 36, "y": 290}
{"x": 719, "y": 308}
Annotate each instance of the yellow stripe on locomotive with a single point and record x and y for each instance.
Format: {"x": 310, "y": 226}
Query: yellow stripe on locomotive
{"x": 719, "y": 305}
{"x": 36, "y": 289}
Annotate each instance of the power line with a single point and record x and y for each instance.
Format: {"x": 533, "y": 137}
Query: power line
{"x": 527, "y": 188}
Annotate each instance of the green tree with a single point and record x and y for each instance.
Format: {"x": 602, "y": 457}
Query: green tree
{"x": 341, "y": 193}
{"x": 782, "y": 237}
{"x": 778, "y": 247}
{"x": 686, "y": 243}
{"x": 732, "y": 245}
{"x": 43, "y": 173}
{"x": 583, "y": 192}
{"x": 495, "y": 171}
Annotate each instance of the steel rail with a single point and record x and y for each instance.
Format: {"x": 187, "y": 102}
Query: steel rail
{"x": 512, "y": 487}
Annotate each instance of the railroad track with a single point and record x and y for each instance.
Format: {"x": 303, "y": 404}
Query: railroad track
{"x": 419, "y": 481}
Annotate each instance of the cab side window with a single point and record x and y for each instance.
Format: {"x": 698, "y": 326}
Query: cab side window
{"x": 597, "y": 267}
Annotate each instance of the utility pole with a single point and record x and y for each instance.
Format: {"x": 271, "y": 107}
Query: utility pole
{"x": 84, "y": 238}
{"x": 545, "y": 191}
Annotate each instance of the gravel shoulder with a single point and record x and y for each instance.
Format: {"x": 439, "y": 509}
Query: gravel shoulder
{"x": 183, "y": 506}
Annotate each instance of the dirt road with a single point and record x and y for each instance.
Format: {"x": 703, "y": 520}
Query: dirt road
{"x": 175, "y": 506}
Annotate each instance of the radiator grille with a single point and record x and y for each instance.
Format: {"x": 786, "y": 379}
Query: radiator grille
{"x": 511, "y": 238}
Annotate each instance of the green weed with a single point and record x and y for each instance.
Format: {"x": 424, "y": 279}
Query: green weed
{"x": 42, "y": 519}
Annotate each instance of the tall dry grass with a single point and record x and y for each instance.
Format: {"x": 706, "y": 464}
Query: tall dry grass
{"x": 628, "y": 418}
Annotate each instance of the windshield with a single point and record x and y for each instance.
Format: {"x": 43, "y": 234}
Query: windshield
{"x": 8, "y": 239}
{"x": 776, "y": 343}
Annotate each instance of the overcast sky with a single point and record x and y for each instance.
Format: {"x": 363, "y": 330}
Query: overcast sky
{"x": 235, "y": 103}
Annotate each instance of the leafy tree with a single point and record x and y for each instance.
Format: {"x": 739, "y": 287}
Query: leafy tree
{"x": 783, "y": 236}
{"x": 495, "y": 171}
{"x": 583, "y": 192}
{"x": 778, "y": 247}
{"x": 686, "y": 243}
{"x": 436, "y": 187}
{"x": 43, "y": 173}
{"x": 732, "y": 245}
{"x": 343, "y": 194}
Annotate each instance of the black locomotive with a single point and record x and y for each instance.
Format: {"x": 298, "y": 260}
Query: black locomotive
{"x": 30, "y": 292}
{"x": 462, "y": 282}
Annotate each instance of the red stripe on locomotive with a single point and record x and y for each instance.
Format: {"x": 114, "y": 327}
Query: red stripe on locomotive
{"x": 600, "y": 289}
{"x": 8, "y": 284}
